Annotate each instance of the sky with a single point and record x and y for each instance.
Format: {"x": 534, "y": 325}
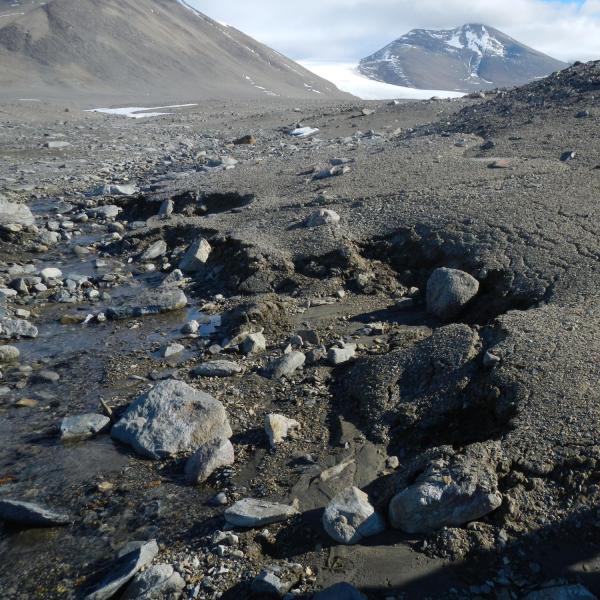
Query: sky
{"x": 347, "y": 30}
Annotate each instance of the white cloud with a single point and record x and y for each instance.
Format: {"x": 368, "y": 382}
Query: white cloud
{"x": 347, "y": 30}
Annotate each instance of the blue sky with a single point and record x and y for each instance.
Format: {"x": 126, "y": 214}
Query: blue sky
{"x": 347, "y": 30}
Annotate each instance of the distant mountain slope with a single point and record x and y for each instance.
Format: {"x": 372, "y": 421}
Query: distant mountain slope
{"x": 464, "y": 59}
{"x": 139, "y": 49}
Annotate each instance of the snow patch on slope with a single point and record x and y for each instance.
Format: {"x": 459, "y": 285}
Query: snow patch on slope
{"x": 348, "y": 79}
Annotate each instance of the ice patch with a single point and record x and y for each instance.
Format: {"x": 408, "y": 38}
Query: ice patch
{"x": 303, "y": 132}
{"x": 138, "y": 112}
{"x": 348, "y": 79}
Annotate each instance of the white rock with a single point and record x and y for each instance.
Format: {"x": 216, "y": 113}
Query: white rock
{"x": 349, "y": 517}
{"x": 278, "y": 428}
{"x": 50, "y": 273}
{"x": 251, "y": 512}
{"x": 196, "y": 256}
{"x": 339, "y": 356}
{"x": 208, "y": 458}
{"x": 323, "y": 216}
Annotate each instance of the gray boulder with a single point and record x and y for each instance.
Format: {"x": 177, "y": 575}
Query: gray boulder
{"x": 155, "y": 583}
{"x": 196, "y": 256}
{"x": 448, "y": 290}
{"x": 172, "y": 418}
{"x": 562, "y": 592}
{"x": 339, "y": 356}
{"x": 12, "y": 213}
{"x": 83, "y": 426}
{"x": 349, "y": 517}
{"x": 252, "y": 512}
{"x": 323, "y": 216}
{"x": 217, "y": 368}
{"x": 208, "y": 458}
{"x": 27, "y": 514}
{"x": 286, "y": 365}
{"x": 253, "y": 343}
{"x": 125, "y": 569}
{"x": 150, "y": 302}
{"x": 451, "y": 491}
{"x": 108, "y": 211}
{"x": 11, "y": 329}
{"x": 155, "y": 250}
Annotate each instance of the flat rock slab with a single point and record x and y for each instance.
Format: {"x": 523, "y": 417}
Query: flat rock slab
{"x": 11, "y": 329}
{"x": 150, "y": 302}
{"x": 252, "y": 512}
{"x": 217, "y": 368}
{"x": 157, "y": 581}
{"x": 125, "y": 569}
{"x": 27, "y": 514}
{"x": 83, "y": 426}
{"x": 172, "y": 418}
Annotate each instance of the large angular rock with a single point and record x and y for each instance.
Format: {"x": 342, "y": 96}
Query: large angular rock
{"x": 286, "y": 365}
{"x": 196, "y": 256}
{"x": 155, "y": 250}
{"x": 150, "y": 302}
{"x": 208, "y": 458}
{"x": 15, "y": 214}
{"x": 172, "y": 418}
{"x": 125, "y": 569}
{"x": 278, "y": 427}
{"x": 349, "y": 517}
{"x": 452, "y": 491}
{"x": 11, "y": 329}
{"x": 83, "y": 426}
{"x": 251, "y": 512}
{"x": 561, "y": 592}
{"x": 27, "y": 514}
{"x": 155, "y": 583}
{"x": 448, "y": 291}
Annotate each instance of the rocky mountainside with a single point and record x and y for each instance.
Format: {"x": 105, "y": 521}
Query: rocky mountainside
{"x": 131, "y": 49}
{"x": 464, "y": 59}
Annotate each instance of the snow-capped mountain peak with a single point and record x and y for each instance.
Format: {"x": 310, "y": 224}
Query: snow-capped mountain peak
{"x": 467, "y": 57}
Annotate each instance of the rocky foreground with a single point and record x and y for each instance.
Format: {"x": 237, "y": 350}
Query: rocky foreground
{"x": 280, "y": 351}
